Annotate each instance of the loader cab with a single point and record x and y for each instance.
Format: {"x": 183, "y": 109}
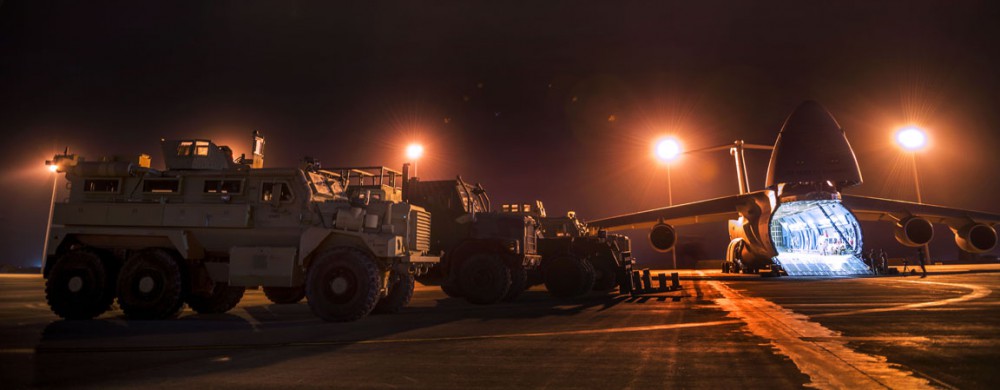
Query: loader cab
{"x": 449, "y": 199}
{"x": 568, "y": 226}
{"x": 533, "y": 209}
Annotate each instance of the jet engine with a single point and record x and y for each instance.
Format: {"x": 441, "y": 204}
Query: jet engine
{"x": 914, "y": 231}
{"x": 662, "y": 237}
{"x": 976, "y": 237}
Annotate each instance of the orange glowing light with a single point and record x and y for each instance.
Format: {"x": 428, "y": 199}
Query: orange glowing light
{"x": 414, "y": 151}
{"x": 53, "y": 167}
{"x": 668, "y": 149}
{"x": 911, "y": 138}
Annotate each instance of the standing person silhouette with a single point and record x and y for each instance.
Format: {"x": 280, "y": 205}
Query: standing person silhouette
{"x": 922, "y": 258}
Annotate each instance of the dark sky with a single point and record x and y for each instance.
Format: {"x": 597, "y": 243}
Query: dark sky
{"x": 559, "y": 101}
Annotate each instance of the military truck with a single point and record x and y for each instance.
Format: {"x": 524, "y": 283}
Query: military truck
{"x": 575, "y": 261}
{"x": 485, "y": 255}
{"x": 208, "y": 227}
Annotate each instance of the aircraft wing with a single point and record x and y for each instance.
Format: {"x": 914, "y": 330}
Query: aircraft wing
{"x": 877, "y": 209}
{"x": 712, "y": 210}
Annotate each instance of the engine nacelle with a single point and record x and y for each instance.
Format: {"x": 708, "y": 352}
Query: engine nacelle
{"x": 914, "y": 231}
{"x": 662, "y": 237}
{"x": 976, "y": 237}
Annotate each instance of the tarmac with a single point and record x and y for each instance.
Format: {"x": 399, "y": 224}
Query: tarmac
{"x": 718, "y": 331}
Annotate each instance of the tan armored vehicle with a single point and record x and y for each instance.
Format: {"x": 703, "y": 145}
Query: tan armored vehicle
{"x": 207, "y": 228}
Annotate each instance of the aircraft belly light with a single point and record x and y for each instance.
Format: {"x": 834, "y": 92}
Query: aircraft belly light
{"x": 817, "y": 237}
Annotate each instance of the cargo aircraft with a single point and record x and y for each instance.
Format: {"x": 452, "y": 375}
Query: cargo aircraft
{"x": 801, "y": 222}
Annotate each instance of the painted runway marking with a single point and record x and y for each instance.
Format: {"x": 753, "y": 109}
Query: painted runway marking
{"x": 976, "y": 293}
{"x": 817, "y": 351}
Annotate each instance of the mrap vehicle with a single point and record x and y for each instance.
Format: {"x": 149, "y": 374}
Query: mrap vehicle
{"x": 208, "y": 227}
{"x": 576, "y": 260}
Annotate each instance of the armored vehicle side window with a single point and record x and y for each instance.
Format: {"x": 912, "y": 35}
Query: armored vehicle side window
{"x": 197, "y": 148}
{"x": 268, "y": 190}
{"x": 184, "y": 148}
{"x": 161, "y": 186}
{"x": 223, "y": 186}
{"x": 201, "y": 148}
{"x": 101, "y": 185}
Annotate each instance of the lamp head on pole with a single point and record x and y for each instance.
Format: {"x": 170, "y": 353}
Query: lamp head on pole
{"x": 668, "y": 149}
{"x": 911, "y": 139}
{"x": 414, "y": 151}
{"x": 62, "y": 162}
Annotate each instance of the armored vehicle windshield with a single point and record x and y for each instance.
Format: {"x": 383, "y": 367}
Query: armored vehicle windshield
{"x": 325, "y": 185}
{"x": 472, "y": 198}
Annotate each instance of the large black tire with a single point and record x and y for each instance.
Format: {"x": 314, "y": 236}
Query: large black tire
{"x": 222, "y": 299}
{"x": 150, "y": 286}
{"x": 343, "y": 285}
{"x": 605, "y": 272}
{"x": 79, "y": 286}
{"x": 431, "y": 278}
{"x": 484, "y": 278}
{"x": 285, "y": 295}
{"x": 567, "y": 277}
{"x": 452, "y": 289}
{"x": 450, "y": 284}
{"x": 400, "y": 293}
{"x": 518, "y": 282}
{"x": 535, "y": 277}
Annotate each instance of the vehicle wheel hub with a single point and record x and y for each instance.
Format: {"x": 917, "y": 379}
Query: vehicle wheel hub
{"x": 75, "y": 284}
{"x": 339, "y": 285}
{"x": 146, "y": 284}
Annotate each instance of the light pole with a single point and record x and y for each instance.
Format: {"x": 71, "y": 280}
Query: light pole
{"x": 59, "y": 163}
{"x": 912, "y": 140}
{"x": 414, "y": 151}
{"x": 668, "y": 150}
{"x": 54, "y": 169}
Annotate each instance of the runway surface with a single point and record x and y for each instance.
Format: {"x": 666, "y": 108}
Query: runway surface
{"x": 718, "y": 332}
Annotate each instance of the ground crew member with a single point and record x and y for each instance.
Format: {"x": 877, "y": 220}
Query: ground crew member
{"x": 922, "y": 258}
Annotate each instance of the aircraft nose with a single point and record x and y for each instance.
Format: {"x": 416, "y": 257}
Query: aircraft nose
{"x": 812, "y": 148}
{"x": 810, "y": 116}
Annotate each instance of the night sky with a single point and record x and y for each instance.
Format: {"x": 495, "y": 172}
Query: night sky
{"x": 559, "y": 101}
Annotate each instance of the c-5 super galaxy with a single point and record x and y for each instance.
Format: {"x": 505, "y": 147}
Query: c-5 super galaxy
{"x": 801, "y": 222}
